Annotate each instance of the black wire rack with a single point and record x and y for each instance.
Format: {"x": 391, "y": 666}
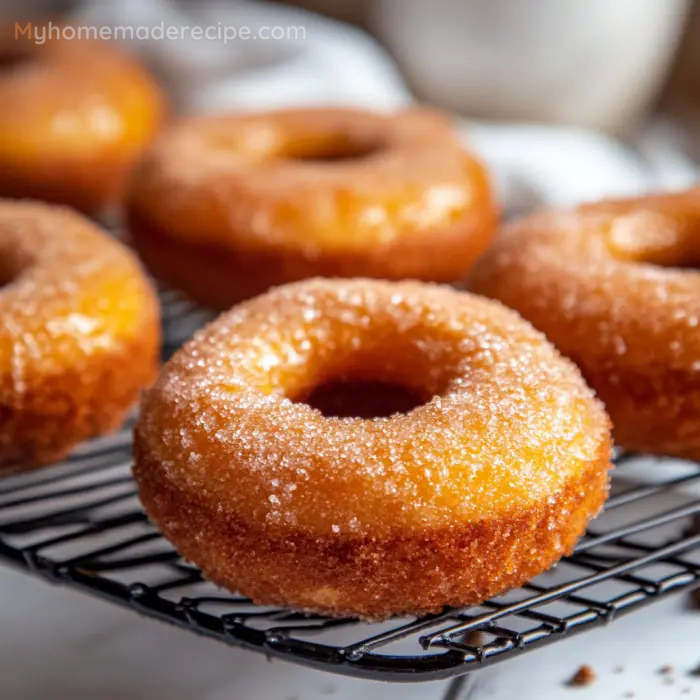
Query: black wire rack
{"x": 79, "y": 523}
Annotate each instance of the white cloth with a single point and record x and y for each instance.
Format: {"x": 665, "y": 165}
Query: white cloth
{"x": 335, "y": 63}
{"x": 327, "y": 62}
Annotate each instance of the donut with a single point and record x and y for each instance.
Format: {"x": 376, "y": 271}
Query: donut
{"x": 371, "y": 448}
{"x": 224, "y": 207}
{"x": 605, "y": 282}
{"x": 79, "y": 332}
{"x": 74, "y": 117}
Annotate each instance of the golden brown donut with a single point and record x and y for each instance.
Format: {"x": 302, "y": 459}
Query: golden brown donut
{"x": 79, "y": 332}
{"x": 604, "y": 283}
{"x": 223, "y": 207}
{"x": 74, "y": 117}
{"x": 483, "y": 481}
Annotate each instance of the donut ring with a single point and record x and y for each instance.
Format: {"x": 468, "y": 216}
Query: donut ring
{"x": 79, "y": 332}
{"x": 477, "y": 490}
{"x": 224, "y": 207}
{"x": 602, "y": 282}
{"x": 74, "y": 117}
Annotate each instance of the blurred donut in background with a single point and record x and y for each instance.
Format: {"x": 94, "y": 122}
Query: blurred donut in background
{"x": 223, "y": 207}
{"x": 613, "y": 285}
{"x": 75, "y": 114}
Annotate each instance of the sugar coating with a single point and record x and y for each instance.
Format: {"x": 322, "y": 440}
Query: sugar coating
{"x": 510, "y": 423}
{"x": 70, "y": 293}
{"x": 241, "y": 178}
{"x": 584, "y": 277}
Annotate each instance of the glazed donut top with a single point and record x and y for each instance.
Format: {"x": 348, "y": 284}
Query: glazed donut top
{"x": 337, "y": 178}
{"x": 506, "y": 421}
{"x": 66, "y": 290}
{"x": 63, "y": 98}
{"x": 614, "y": 270}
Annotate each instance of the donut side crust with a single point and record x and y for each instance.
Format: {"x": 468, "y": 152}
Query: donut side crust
{"x": 437, "y": 255}
{"x": 87, "y": 184}
{"x": 657, "y": 408}
{"x": 368, "y": 577}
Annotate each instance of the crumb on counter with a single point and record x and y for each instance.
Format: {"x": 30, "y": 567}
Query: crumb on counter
{"x": 585, "y": 676}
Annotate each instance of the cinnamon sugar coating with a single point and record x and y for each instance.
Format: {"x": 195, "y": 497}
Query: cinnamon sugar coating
{"x": 605, "y": 284}
{"x": 478, "y": 489}
{"x": 79, "y": 332}
{"x": 257, "y": 200}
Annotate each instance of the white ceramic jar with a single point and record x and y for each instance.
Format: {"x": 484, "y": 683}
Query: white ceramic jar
{"x": 595, "y": 63}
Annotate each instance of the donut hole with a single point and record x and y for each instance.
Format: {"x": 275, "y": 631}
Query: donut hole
{"x": 11, "y": 60}
{"x": 334, "y": 150}
{"x": 359, "y": 398}
{"x": 691, "y": 265}
{"x": 389, "y": 375}
{"x": 10, "y": 270}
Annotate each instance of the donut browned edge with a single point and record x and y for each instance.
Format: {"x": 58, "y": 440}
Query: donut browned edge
{"x": 90, "y": 185}
{"x": 218, "y": 277}
{"x": 657, "y": 410}
{"x": 58, "y": 412}
{"x": 430, "y": 571}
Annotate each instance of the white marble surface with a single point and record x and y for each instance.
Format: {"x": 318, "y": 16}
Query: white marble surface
{"x": 59, "y": 644}
{"x": 627, "y": 657}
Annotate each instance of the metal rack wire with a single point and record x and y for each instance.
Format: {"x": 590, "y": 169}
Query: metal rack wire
{"x": 80, "y": 524}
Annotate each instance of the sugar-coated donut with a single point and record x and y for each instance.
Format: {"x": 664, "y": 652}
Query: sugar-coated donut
{"x": 74, "y": 117}
{"x": 604, "y": 283}
{"x": 223, "y": 207}
{"x": 483, "y": 482}
{"x": 79, "y": 332}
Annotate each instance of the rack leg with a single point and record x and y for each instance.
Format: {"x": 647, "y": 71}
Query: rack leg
{"x": 461, "y": 688}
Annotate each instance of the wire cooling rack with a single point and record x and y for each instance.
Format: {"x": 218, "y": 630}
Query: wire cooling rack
{"x": 80, "y": 524}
